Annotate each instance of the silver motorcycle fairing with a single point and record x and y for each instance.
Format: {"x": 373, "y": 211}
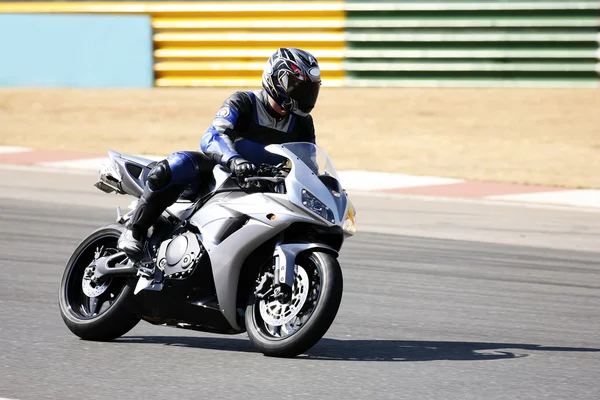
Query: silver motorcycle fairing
{"x": 134, "y": 171}
{"x": 124, "y": 174}
{"x": 231, "y": 230}
{"x": 141, "y": 161}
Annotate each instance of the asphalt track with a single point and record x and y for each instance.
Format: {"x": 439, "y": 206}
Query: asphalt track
{"x": 450, "y": 300}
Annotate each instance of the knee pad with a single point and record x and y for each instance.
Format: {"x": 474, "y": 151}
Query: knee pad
{"x": 159, "y": 176}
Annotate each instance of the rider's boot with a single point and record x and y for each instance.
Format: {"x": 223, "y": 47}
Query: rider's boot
{"x": 149, "y": 208}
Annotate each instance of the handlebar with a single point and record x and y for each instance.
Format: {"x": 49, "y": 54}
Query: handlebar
{"x": 270, "y": 170}
{"x": 266, "y": 177}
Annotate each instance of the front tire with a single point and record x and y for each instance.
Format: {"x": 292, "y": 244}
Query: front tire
{"x": 108, "y": 315}
{"x": 319, "y": 310}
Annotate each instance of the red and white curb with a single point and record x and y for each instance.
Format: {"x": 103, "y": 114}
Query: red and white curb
{"x": 373, "y": 182}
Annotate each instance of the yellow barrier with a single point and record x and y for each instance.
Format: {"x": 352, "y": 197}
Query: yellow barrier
{"x": 225, "y": 44}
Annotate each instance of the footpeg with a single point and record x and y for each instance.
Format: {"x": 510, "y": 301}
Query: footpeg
{"x": 146, "y": 269}
{"x": 150, "y": 277}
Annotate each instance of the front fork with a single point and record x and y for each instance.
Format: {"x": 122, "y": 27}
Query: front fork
{"x": 285, "y": 261}
{"x": 279, "y": 284}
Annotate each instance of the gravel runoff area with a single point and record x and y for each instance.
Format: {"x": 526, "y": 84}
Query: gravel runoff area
{"x": 533, "y": 136}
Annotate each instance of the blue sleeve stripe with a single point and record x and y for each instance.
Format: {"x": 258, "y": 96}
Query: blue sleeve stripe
{"x": 214, "y": 142}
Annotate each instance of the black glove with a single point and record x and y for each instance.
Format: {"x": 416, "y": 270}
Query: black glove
{"x": 241, "y": 167}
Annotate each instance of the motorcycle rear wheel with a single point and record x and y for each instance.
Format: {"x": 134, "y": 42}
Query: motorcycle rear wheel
{"x": 317, "y": 299}
{"x": 108, "y": 315}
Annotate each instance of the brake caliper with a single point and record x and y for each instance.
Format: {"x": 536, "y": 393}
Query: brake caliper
{"x": 264, "y": 286}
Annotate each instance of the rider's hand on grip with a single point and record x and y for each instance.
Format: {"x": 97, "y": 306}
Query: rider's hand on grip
{"x": 241, "y": 167}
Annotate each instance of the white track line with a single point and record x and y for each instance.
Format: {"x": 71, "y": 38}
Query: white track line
{"x": 475, "y": 201}
{"x": 89, "y": 163}
{"x": 48, "y": 169}
{"x": 13, "y": 149}
{"x": 576, "y": 198}
{"x": 92, "y": 164}
{"x": 493, "y": 201}
{"x": 367, "y": 180}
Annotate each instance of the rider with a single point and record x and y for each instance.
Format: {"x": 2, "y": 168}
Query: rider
{"x": 246, "y": 123}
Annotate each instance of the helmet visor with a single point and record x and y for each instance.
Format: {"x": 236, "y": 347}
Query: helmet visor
{"x": 305, "y": 93}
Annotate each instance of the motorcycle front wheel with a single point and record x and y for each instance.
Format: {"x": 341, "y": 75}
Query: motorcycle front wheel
{"x": 291, "y": 327}
{"x": 100, "y": 310}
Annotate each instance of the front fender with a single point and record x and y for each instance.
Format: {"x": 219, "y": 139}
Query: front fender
{"x": 285, "y": 259}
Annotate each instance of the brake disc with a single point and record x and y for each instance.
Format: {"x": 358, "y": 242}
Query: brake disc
{"x": 91, "y": 288}
{"x": 276, "y": 313}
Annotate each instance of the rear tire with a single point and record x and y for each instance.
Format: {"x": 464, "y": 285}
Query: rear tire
{"x": 319, "y": 320}
{"x": 107, "y": 323}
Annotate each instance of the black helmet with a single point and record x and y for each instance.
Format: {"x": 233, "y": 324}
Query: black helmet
{"x": 292, "y": 78}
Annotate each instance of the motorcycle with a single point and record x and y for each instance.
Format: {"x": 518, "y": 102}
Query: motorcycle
{"x": 256, "y": 255}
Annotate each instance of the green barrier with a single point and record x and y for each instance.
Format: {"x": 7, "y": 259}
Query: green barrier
{"x": 511, "y": 54}
{"x": 461, "y": 66}
{"x": 469, "y": 37}
{"x": 482, "y": 5}
{"x": 541, "y": 43}
{"x": 461, "y": 22}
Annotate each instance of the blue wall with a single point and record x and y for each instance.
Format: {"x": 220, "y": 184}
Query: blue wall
{"x": 75, "y": 50}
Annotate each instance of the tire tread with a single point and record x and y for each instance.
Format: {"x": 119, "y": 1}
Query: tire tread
{"x": 319, "y": 322}
{"x": 116, "y": 321}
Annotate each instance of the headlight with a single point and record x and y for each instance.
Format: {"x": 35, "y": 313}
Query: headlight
{"x": 315, "y": 205}
{"x": 349, "y": 225}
